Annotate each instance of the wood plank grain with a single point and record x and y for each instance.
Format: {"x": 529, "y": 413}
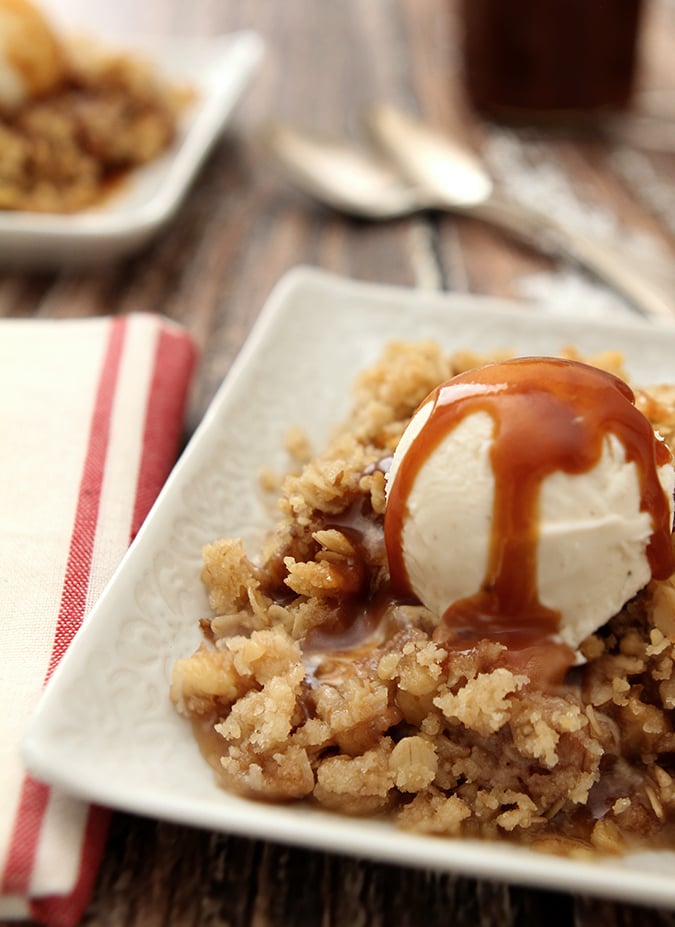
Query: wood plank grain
{"x": 240, "y": 228}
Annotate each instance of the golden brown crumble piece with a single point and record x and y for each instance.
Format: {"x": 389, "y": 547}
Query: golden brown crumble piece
{"x": 317, "y": 684}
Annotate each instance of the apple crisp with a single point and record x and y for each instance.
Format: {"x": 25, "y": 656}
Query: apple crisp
{"x": 314, "y": 682}
{"x": 71, "y": 146}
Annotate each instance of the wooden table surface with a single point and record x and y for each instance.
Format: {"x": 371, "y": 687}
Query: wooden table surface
{"x": 240, "y": 228}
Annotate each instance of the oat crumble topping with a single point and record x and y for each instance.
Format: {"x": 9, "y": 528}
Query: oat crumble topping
{"x": 312, "y": 683}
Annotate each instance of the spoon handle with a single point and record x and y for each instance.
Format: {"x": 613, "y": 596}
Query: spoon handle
{"x": 652, "y": 293}
{"x": 458, "y": 182}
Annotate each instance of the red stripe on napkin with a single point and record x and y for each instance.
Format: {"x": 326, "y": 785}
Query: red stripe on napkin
{"x": 21, "y": 856}
{"x": 163, "y": 423}
{"x": 67, "y": 910}
{"x": 76, "y": 582}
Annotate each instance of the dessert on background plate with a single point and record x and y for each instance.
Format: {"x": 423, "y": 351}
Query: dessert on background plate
{"x": 513, "y": 680}
{"x": 74, "y": 117}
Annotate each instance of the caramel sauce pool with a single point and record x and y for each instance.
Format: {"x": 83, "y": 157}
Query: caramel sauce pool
{"x": 549, "y": 414}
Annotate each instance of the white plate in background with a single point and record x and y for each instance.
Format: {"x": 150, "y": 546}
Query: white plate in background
{"x": 219, "y": 70}
{"x": 105, "y": 729}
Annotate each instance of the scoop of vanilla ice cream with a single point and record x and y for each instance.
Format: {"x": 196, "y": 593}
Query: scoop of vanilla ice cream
{"x": 593, "y": 536}
{"x": 31, "y": 57}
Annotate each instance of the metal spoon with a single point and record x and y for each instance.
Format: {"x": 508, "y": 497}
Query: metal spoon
{"x": 426, "y": 157}
{"x": 348, "y": 178}
{"x": 430, "y": 172}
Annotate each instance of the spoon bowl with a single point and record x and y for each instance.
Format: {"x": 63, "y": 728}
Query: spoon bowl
{"x": 450, "y": 172}
{"x": 346, "y": 177}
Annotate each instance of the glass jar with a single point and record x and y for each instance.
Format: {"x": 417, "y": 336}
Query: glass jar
{"x": 549, "y": 60}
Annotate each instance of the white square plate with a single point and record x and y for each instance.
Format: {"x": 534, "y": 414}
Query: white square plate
{"x": 105, "y": 729}
{"x": 218, "y": 69}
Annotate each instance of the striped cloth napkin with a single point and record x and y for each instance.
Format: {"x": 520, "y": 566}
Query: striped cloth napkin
{"x": 91, "y": 415}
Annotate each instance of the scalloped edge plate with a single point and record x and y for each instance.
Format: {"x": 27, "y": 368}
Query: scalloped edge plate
{"x": 105, "y": 730}
{"x": 219, "y": 68}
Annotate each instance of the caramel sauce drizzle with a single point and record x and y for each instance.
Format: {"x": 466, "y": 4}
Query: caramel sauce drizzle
{"x": 549, "y": 414}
